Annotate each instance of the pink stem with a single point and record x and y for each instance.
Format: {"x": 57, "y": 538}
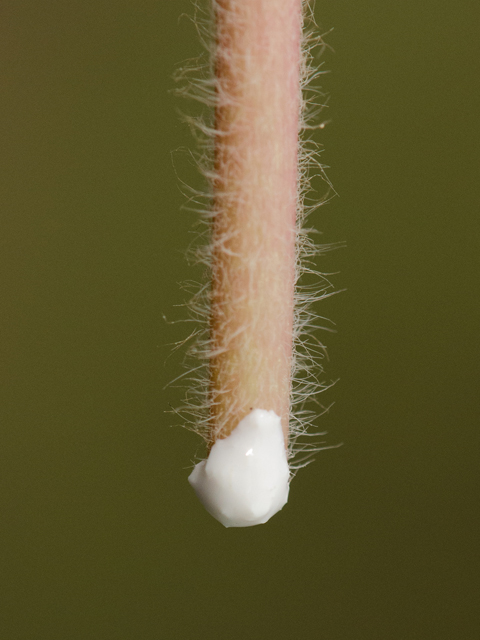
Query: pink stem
{"x": 256, "y": 155}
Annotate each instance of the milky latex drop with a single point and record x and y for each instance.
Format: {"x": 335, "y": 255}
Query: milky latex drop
{"x": 245, "y": 479}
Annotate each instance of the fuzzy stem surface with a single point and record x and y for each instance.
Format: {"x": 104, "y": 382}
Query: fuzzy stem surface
{"x": 258, "y": 102}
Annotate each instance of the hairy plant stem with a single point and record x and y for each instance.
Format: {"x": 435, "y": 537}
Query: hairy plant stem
{"x": 258, "y": 102}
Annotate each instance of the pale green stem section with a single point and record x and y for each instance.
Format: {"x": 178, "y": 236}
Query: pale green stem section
{"x": 256, "y": 154}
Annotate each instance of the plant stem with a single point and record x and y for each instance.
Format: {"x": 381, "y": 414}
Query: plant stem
{"x": 255, "y": 206}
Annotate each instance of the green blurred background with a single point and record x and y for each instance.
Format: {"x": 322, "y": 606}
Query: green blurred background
{"x": 101, "y": 536}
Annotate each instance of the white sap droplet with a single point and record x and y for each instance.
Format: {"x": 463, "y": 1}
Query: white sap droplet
{"x": 245, "y": 479}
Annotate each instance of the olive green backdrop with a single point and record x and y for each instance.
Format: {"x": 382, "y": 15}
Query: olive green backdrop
{"x": 101, "y": 536}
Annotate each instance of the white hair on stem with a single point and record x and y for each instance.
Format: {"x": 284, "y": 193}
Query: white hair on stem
{"x": 198, "y": 82}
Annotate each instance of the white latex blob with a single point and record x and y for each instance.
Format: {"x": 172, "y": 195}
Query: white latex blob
{"x": 244, "y": 480}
